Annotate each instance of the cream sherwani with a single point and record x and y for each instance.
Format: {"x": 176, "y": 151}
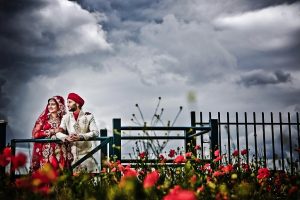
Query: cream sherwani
{"x": 86, "y": 127}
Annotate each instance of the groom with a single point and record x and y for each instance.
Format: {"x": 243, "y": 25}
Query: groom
{"x": 78, "y": 125}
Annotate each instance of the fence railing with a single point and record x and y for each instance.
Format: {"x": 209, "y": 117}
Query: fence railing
{"x": 273, "y": 140}
{"x": 103, "y": 146}
{"x": 189, "y": 135}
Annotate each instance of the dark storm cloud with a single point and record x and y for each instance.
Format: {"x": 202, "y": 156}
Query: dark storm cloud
{"x": 261, "y": 77}
{"x": 36, "y": 34}
{"x": 41, "y": 38}
{"x": 16, "y": 64}
{"x": 126, "y": 10}
{"x": 170, "y": 42}
{"x": 257, "y": 4}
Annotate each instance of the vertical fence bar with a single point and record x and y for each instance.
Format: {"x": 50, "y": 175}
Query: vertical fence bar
{"x": 103, "y": 133}
{"x": 281, "y": 140}
{"x": 192, "y": 141}
{"x": 2, "y": 141}
{"x": 219, "y": 126}
{"x": 291, "y": 146}
{"x": 237, "y": 136}
{"x": 264, "y": 138}
{"x": 201, "y": 138}
{"x": 13, "y": 153}
{"x": 273, "y": 143}
{"x": 213, "y": 136}
{"x": 298, "y": 132}
{"x": 212, "y": 147}
{"x": 228, "y": 139}
{"x": 2, "y": 134}
{"x": 255, "y": 138}
{"x": 246, "y": 136}
{"x": 116, "y": 146}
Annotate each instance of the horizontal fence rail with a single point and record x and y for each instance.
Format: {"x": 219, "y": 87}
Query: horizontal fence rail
{"x": 103, "y": 146}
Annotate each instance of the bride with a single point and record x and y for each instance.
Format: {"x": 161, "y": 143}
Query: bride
{"x": 46, "y": 126}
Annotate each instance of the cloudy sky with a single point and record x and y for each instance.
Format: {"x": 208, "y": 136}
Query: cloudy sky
{"x": 234, "y": 55}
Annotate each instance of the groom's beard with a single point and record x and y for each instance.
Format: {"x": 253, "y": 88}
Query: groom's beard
{"x": 73, "y": 108}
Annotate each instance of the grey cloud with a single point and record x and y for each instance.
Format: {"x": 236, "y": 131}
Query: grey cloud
{"x": 261, "y": 77}
{"x": 159, "y": 47}
{"x": 258, "y": 42}
{"x": 42, "y": 38}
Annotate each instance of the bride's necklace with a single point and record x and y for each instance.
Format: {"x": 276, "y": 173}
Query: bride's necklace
{"x": 53, "y": 121}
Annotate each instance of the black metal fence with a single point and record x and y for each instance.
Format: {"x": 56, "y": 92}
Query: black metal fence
{"x": 103, "y": 146}
{"x": 271, "y": 140}
{"x": 189, "y": 135}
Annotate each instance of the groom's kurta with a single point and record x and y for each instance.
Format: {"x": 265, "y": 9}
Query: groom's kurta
{"x": 85, "y": 126}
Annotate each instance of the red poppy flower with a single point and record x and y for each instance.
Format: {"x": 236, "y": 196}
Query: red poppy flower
{"x": 235, "y": 153}
{"x": 47, "y": 174}
{"x": 7, "y": 152}
{"x": 263, "y": 173}
{"x": 218, "y": 173}
{"x": 121, "y": 167}
{"x": 104, "y": 170}
{"x": 244, "y": 152}
{"x": 206, "y": 166}
{"x": 200, "y": 189}
{"x": 197, "y": 147}
{"x": 178, "y": 194}
{"x": 179, "y": 159}
{"x": 114, "y": 169}
{"x": 128, "y": 172}
{"x": 151, "y": 179}
{"x": 217, "y": 158}
{"x": 171, "y": 153}
{"x": 162, "y": 159}
{"x": 18, "y": 161}
{"x": 227, "y": 168}
{"x": 142, "y": 155}
{"x": 245, "y": 167}
{"x": 3, "y": 160}
{"x": 217, "y": 153}
{"x": 188, "y": 154}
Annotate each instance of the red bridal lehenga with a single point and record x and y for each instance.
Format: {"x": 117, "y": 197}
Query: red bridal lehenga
{"x": 58, "y": 155}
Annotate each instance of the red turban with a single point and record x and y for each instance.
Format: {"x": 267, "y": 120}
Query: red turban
{"x": 76, "y": 98}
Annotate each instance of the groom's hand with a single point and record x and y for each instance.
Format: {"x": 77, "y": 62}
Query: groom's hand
{"x": 75, "y": 137}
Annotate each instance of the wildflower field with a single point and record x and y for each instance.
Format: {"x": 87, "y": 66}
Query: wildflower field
{"x": 172, "y": 177}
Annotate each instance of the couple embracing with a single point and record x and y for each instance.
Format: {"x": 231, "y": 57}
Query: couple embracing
{"x": 74, "y": 128}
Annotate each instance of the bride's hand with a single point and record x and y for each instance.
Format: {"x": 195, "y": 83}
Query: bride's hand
{"x": 56, "y": 130}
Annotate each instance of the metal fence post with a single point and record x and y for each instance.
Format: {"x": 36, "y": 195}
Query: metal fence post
{"x": 2, "y": 134}
{"x": 103, "y": 133}
{"x": 2, "y": 141}
{"x": 115, "y": 148}
{"x": 13, "y": 153}
{"x": 213, "y": 136}
{"x": 191, "y": 141}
